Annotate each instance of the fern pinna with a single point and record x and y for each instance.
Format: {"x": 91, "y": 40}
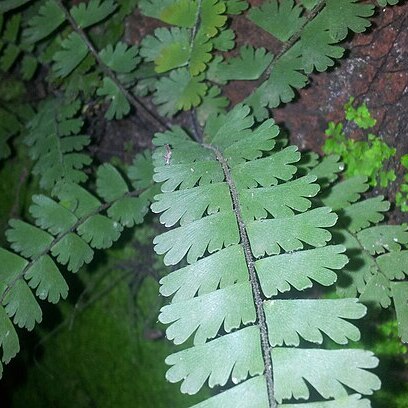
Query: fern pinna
{"x": 66, "y": 232}
{"x": 249, "y": 233}
{"x": 378, "y": 253}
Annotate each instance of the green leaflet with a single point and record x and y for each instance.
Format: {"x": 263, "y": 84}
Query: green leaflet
{"x": 74, "y": 51}
{"x": 68, "y": 229}
{"x": 343, "y": 194}
{"x": 221, "y": 224}
{"x": 281, "y": 19}
{"x": 93, "y": 12}
{"x": 179, "y": 91}
{"x": 119, "y": 106}
{"x": 168, "y": 48}
{"x": 121, "y": 59}
{"x": 250, "y": 65}
{"x": 49, "y": 18}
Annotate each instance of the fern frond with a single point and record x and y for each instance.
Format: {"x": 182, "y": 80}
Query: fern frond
{"x": 67, "y": 230}
{"x": 311, "y": 43}
{"x": 232, "y": 200}
{"x": 55, "y": 143}
{"x": 378, "y": 257}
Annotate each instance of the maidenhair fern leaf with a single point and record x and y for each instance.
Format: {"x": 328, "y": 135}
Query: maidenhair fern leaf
{"x": 346, "y": 15}
{"x": 51, "y": 216}
{"x": 110, "y": 183}
{"x": 26, "y": 239}
{"x": 168, "y": 48}
{"x": 318, "y": 49}
{"x": 50, "y": 17}
{"x": 321, "y": 263}
{"x": 119, "y": 105}
{"x": 378, "y": 239}
{"x": 224, "y": 41}
{"x": 45, "y": 277}
{"x": 74, "y": 51}
{"x": 224, "y": 222}
{"x": 308, "y": 319}
{"x": 88, "y": 14}
{"x": 21, "y": 305}
{"x": 100, "y": 231}
{"x": 121, "y": 59}
{"x": 281, "y": 19}
{"x": 362, "y": 214}
{"x": 179, "y": 91}
{"x": 250, "y": 65}
{"x": 72, "y": 251}
{"x": 343, "y": 194}
{"x": 212, "y": 16}
{"x": 9, "y": 57}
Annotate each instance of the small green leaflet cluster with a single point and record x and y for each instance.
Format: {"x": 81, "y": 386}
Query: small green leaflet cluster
{"x": 67, "y": 230}
{"x": 378, "y": 253}
{"x": 72, "y": 58}
{"x": 55, "y": 143}
{"x": 184, "y": 50}
{"x": 365, "y": 158}
{"x": 13, "y": 48}
{"x": 245, "y": 232}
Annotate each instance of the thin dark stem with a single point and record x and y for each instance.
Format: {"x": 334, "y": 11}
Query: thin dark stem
{"x": 295, "y": 37}
{"x": 136, "y": 102}
{"x": 256, "y": 289}
{"x": 58, "y": 238}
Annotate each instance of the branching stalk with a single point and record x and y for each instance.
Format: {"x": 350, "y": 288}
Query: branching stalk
{"x": 135, "y": 101}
